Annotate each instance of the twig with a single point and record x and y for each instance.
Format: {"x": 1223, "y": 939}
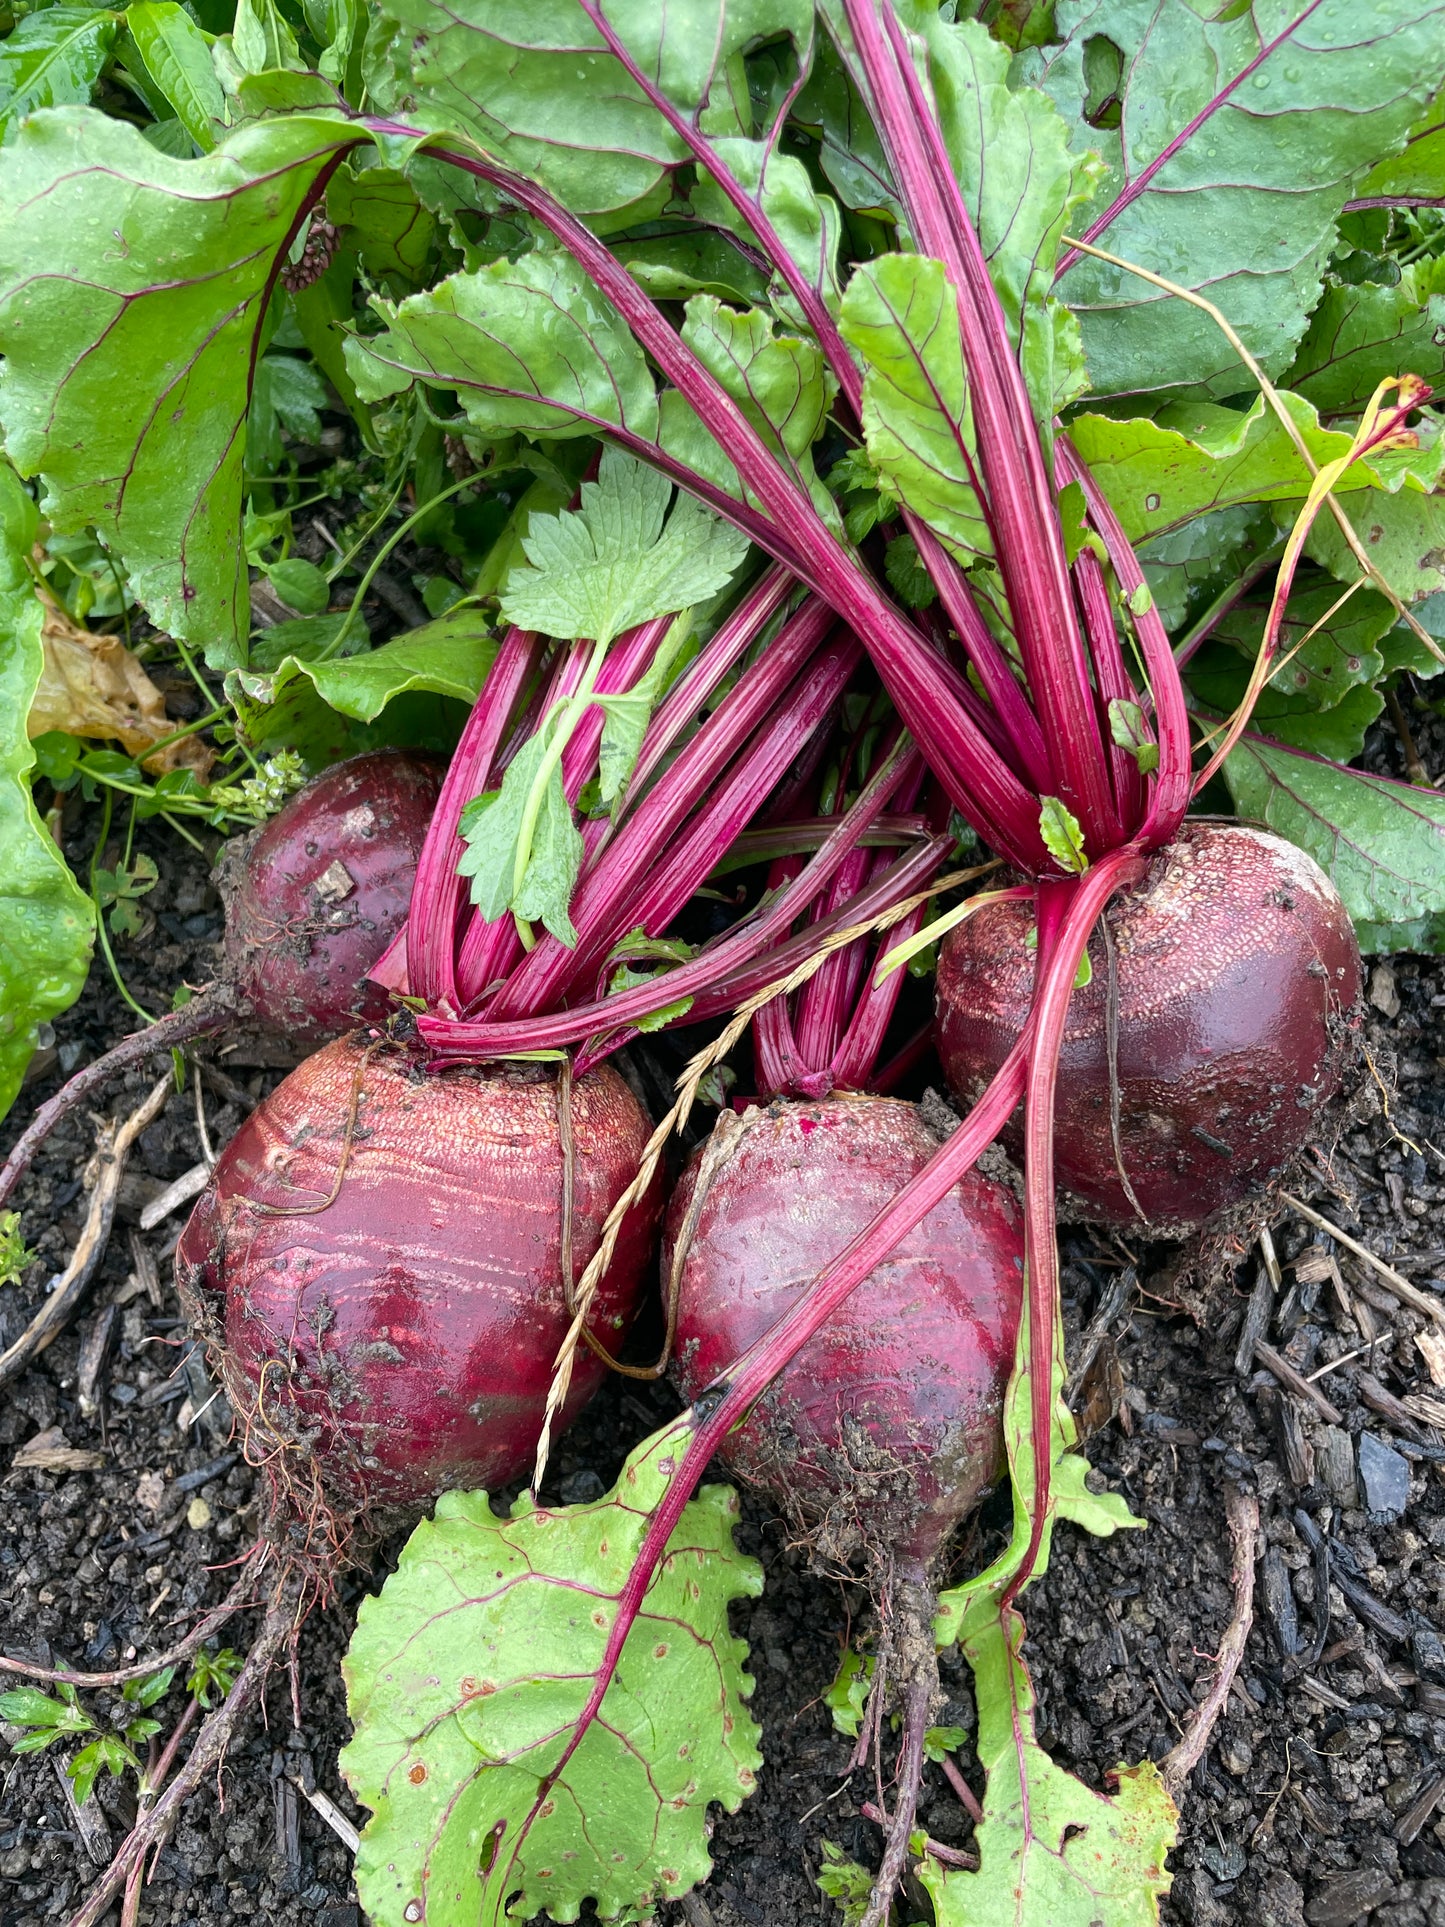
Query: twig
{"x": 153, "y": 1828}
{"x": 1293, "y": 1381}
{"x": 1414, "y": 768}
{"x": 1242, "y": 1509}
{"x": 330, "y": 1813}
{"x": 1407, "y": 1293}
{"x": 55, "y": 1314}
{"x": 236, "y": 1601}
{"x": 178, "y": 1192}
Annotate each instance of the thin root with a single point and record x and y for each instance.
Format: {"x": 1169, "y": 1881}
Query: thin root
{"x": 1181, "y": 1760}
{"x": 916, "y": 1707}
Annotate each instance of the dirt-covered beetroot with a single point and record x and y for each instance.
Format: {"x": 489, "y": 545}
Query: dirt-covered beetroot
{"x": 314, "y": 896}
{"x": 885, "y": 1428}
{"x": 400, "y": 1340}
{"x": 1237, "y": 979}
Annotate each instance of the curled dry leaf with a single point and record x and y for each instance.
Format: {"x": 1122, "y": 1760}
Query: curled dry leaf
{"x": 91, "y": 685}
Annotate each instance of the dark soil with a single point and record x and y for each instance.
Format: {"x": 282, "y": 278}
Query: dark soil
{"x": 1311, "y": 1803}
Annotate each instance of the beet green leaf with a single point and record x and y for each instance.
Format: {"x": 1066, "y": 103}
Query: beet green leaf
{"x": 1382, "y": 843}
{"x": 467, "y": 1673}
{"x": 46, "y": 920}
{"x": 53, "y": 59}
{"x": 1299, "y": 101}
{"x": 132, "y": 295}
{"x": 534, "y": 82}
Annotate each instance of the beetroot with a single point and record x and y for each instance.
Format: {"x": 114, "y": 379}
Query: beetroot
{"x": 399, "y": 1340}
{"x": 885, "y": 1428}
{"x": 1237, "y": 980}
{"x": 314, "y": 896}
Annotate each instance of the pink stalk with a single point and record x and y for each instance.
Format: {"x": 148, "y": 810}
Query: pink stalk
{"x": 727, "y": 1401}
{"x": 1020, "y": 503}
{"x": 1067, "y": 913}
{"x": 437, "y": 895}
{"x": 1172, "y": 783}
{"x": 743, "y": 961}
{"x": 632, "y": 854}
{"x": 489, "y": 951}
{"x": 677, "y": 873}
{"x": 1111, "y": 679}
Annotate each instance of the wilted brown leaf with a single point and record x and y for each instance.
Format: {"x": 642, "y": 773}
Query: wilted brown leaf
{"x": 92, "y": 685}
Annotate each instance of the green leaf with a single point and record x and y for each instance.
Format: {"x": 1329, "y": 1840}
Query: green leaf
{"x": 534, "y": 83}
{"x": 15, "y": 1254}
{"x": 624, "y": 726}
{"x": 390, "y": 229}
{"x": 1341, "y": 655}
{"x": 530, "y": 810}
{"x": 695, "y": 261}
{"x": 1420, "y": 167}
{"x": 261, "y": 39}
{"x": 105, "y": 1755}
{"x": 1382, "y": 843}
{"x": 805, "y": 222}
{"x": 1063, "y": 838}
{"x": 466, "y": 1674}
{"x": 28, "y": 1706}
{"x": 286, "y": 392}
{"x": 619, "y": 559}
{"x": 448, "y": 657}
{"x": 177, "y": 57}
{"x": 46, "y": 919}
{"x": 901, "y": 316}
{"x": 1128, "y": 729}
{"x": 125, "y": 383}
{"x": 1051, "y": 1850}
{"x": 1359, "y": 335}
{"x": 300, "y": 585}
{"x": 1188, "y": 564}
{"x": 847, "y": 1885}
{"x": 1245, "y": 210}
{"x": 780, "y": 381}
{"x": 1218, "y": 677}
{"x": 1195, "y": 457}
{"x": 53, "y": 59}
{"x": 847, "y": 1697}
{"x": 1010, "y": 152}
{"x": 528, "y": 345}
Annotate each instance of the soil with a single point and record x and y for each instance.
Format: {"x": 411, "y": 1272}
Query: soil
{"x": 1313, "y": 1801}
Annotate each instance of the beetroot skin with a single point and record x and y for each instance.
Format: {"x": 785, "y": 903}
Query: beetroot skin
{"x": 314, "y": 896}
{"x": 886, "y": 1426}
{"x": 401, "y": 1341}
{"x": 1238, "y": 998}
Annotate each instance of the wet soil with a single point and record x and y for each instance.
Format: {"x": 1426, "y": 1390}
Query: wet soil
{"x": 1314, "y": 1801}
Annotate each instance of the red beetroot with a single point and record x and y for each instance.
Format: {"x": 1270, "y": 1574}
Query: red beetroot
{"x": 886, "y": 1426}
{"x": 1237, "y": 981}
{"x": 400, "y": 1340}
{"x": 314, "y": 896}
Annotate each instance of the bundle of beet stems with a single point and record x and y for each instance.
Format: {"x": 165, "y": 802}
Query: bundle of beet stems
{"x": 514, "y": 1168}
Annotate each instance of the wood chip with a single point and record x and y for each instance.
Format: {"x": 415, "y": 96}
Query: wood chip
{"x": 1413, "y": 1820}
{"x": 1408, "y": 1294}
{"x": 96, "y": 1344}
{"x": 1431, "y": 1347}
{"x": 180, "y": 1191}
{"x": 1394, "y": 1411}
{"x": 1281, "y": 1369}
{"x": 51, "y": 1451}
